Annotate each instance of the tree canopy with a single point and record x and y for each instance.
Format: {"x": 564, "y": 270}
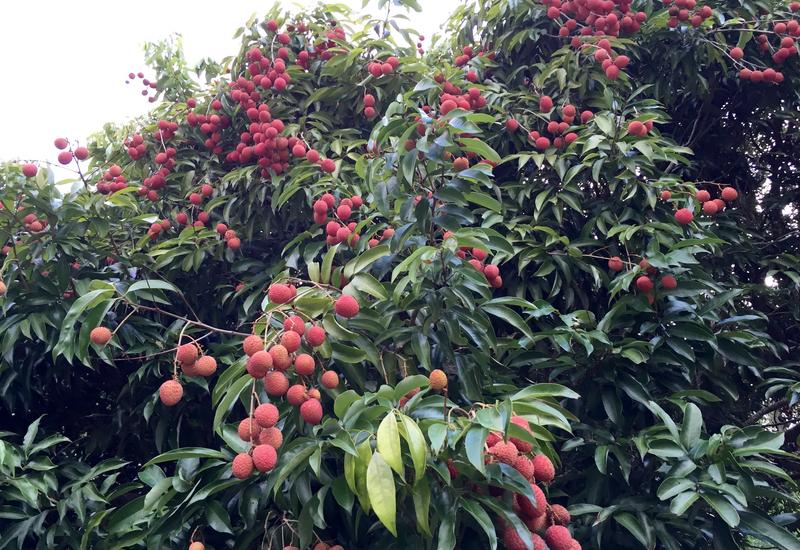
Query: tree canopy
{"x": 533, "y": 283}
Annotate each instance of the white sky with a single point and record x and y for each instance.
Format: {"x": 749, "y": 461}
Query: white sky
{"x": 64, "y": 64}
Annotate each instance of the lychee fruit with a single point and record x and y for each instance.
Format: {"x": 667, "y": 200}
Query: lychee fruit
{"x": 684, "y": 216}
{"x": 248, "y": 429}
{"x": 615, "y": 263}
{"x": 669, "y": 282}
{"x": 522, "y": 446}
{"x": 437, "y": 380}
{"x": 276, "y": 383}
{"x": 170, "y": 392}
{"x": 259, "y": 363}
{"x": 729, "y": 194}
{"x": 29, "y": 170}
{"x": 100, "y": 336}
{"x": 346, "y": 306}
{"x": 491, "y": 271}
{"x": 252, "y": 344}
{"x": 512, "y": 540}
{"x": 264, "y": 457}
{"x": 545, "y": 471}
{"x": 242, "y": 466}
{"x": 702, "y": 195}
{"x": 295, "y": 324}
{"x": 329, "y": 379}
{"x": 296, "y": 395}
{"x": 291, "y": 341}
{"x": 279, "y": 293}
{"x": 560, "y": 514}
{"x": 280, "y": 356}
{"x": 311, "y": 411}
{"x": 197, "y": 546}
{"x": 558, "y": 537}
{"x": 272, "y": 437}
{"x": 545, "y": 103}
{"x": 315, "y": 336}
{"x": 644, "y": 283}
{"x": 460, "y": 163}
{"x": 187, "y": 353}
{"x": 205, "y": 366}
{"x": 524, "y": 466}
{"x": 530, "y": 509}
{"x": 304, "y": 364}
{"x": 710, "y": 208}
{"x": 505, "y": 451}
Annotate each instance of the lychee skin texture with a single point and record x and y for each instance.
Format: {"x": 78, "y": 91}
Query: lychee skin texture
{"x": 684, "y": 216}
{"x": 248, "y": 429}
{"x": 528, "y": 508}
{"x": 100, "y": 336}
{"x": 205, "y": 366}
{"x": 669, "y": 282}
{"x": 264, "y": 458}
{"x": 280, "y": 357}
{"x": 644, "y": 283}
{"x": 242, "y": 466}
{"x": 311, "y": 411}
{"x": 304, "y": 364}
{"x": 437, "y": 380}
{"x": 276, "y": 383}
{"x": 291, "y": 341}
{"x": 187, "y": 353}
{"x": 266, "y": 415}
{"x": 295, "y": 324}
{"x": 329, "y": 379}
{"x": 296, "y": 395}
{"x": 524, "y": 466}
{"x": 280, "y": 294}
{"x": 315, "y": 336}
{"x": 558, "y": 537}
{"x": 729, "y": 194}
{"x": 505, "y": 452}
{"x": 560, "y": 514}
{"x": 170, "y": 392}
{"x": 197, "y": 546}
{"x": 272, "y": 437}
{"x": 538, "y": 542}
{"x": 346, "y": 306}
{"x": 252, "y": 344}
{"x": 259, "y": 363}
{"x": 29, "y": 170}
{"x": 512, "y": 540}
{"x": 545, "y": 471}
{"x": 491, "y": 271}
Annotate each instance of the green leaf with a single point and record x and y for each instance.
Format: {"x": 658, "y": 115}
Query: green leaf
{"x": 724, "y": 508}
{"x": 480, "y": 148}
{"x": 692, "y": 424}
{"x": 185, "y": 452}
{"x": 482, "y": 199}
{"x": 509, "y": 316}
{"x": 482, "y": 518}
{"x": 629, "y": 522}
{"x": 758, "y": 526}
{"x": 360, "y": 262}
{"x": 474, "y": 443}
{"x": 218, "y": 518}
{"x": 381, "y": 490}
{"x": 151, "y": 284}
{"x": 421, "y": 495}
{"x": 388, "y": 438}
{"x": 544, "y": 390}
{"x": 683, "y": 502}
{"x": 417, "y": 447}
{"x": 672, "y": 486}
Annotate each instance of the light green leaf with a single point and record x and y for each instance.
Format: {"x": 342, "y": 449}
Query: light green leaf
{"x": 381, "y": 490}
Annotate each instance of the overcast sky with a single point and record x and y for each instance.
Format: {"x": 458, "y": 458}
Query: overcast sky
{"x": 64, "y": 64}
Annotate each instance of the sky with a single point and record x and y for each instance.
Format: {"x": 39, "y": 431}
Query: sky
{"x": 64, "y": 64}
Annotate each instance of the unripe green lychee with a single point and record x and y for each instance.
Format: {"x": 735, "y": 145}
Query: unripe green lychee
{"x": 187, "y": 353}
{"x": 276, "y": 383}
{"x": 291, "y": 341}
{"x": 296, "y": 395}
{"x": 437, "y": 380}
{"x": 264, "y": 457}
{"x": 252, "y": 344}
{"x": 205, "y": 366}
{"x": 346, "y": 306}
{"x": 545, "y": 471}
{"x": 311, "y": 411}
{"x": 271, "y": 436}
{"x": 329, "y": 379}
{"x": 267, "y": 415}
{"x": 100, "y": 336}
{"x": 280, "y": 357}
{"x": 170, "y": 392}
{"x": 304, "y": 364}
{"x": 315, "y": 336}
{"x": 242, "y": 466}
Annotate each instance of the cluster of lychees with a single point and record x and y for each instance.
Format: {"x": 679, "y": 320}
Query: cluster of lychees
{"x": 557, "y": 129}
{"x": 611, "y": 62}
{"x": 595, "y": 17}
{"x": 686, "y": 10}
{"x": 339, "y": 229}
{"x": 710, "y": 207}
{"x": 786, "y": 48}
{"x": 147, "y": 85}
{"x": 452, "y": 97}
{"x": 383, "y": 68}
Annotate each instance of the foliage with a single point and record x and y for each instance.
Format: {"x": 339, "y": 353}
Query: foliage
{"x": 670, "y": 410}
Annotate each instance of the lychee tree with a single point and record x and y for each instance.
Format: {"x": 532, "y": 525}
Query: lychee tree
{"x": 346, "y": 289}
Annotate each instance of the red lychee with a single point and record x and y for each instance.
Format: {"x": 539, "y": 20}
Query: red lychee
{"x": 729, "y": 194}
{"x": 669, "y": 282}
{"x": 558, "y": 537}
{"x": 267, "y": 415}
{"x": 264, "y": 458}
{"x": 545, "y": 103}
{"x": 530, "y": 509}
{"x": 684, "y": 216}
{"x": 545, "y": 471}
{"x": 644, "y": 283}
{"x": 29, "y": 170}
{"x": 295, "y": 324}
{"x": 279, "y": 293}
{"x": 276, "y": 383}
{"x": 205, "y": 366}
{"x": 560, "y": 514}
{"x": 296, "y": 395}
{"x": 615, "y": 263}
{"x": 437, "y": 380}
{"x": 248, "y": 429}
{"x": 187, "y": 353}
{"x": 346, "y": 306}
{"x": 524, "y": 466}
{"x": 304, "y": 364}
{"x": 259, "y": 363}
{"x": 242, "y": 466}
{"x": 252, "y": 344}
{"x": 702, "y": 195}
{"x": 311, "y": 411}
{"x": 170, "y": 392}
{"x": 271, "y": 436}
{"x": 505, "y": 452}
{"x": 100, "y": 336}
{"x": 329, "y": 379}
{"x": 522, "y": 446}
{"x": 280, "y": 357}
{"x": 291, "y": 341}
{"x": 315, "y": 336}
